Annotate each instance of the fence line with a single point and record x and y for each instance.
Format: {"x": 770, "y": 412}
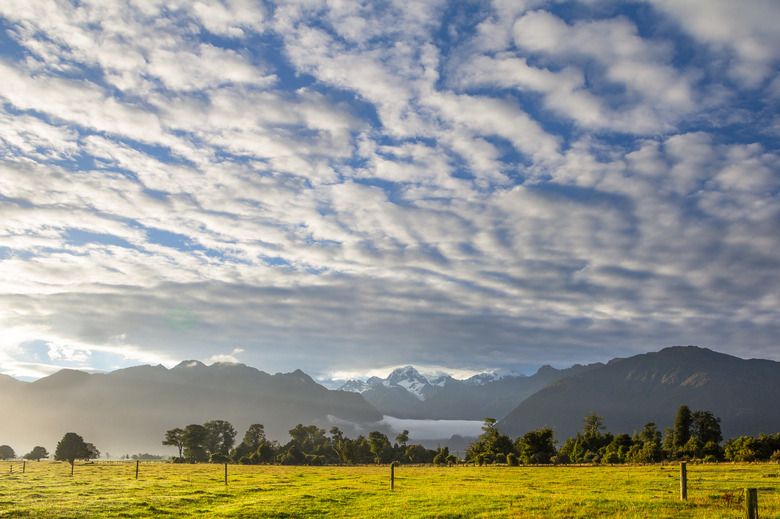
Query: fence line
{"x": 702, "y": 479}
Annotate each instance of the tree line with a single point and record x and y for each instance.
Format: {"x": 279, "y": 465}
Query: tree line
{"x": 214, "y": 441}
{"x": 695, "y": 435}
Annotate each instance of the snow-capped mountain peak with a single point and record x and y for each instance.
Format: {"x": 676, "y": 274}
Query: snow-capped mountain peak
{"x": 420, "y": 386}
{"x": 490, "y": 376}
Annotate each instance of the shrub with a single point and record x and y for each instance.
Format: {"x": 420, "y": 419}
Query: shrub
{"x": 218, "y": 457}
{"x": 512, "y": 460}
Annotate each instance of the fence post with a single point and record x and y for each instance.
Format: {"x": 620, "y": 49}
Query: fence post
{"x": 225, "y": 474}
{"x": 683, "y": 482}
{"x": 751, "y": 503}
{"x": 392, "y": 476}
{"x": 136, "y": 468}
{"x": 24, "y": 467}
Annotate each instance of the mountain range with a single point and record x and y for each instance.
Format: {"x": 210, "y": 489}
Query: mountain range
{"x": 745, "y": 394}
{"x": 406, "y": 393}
{"x": 129, "y": 410}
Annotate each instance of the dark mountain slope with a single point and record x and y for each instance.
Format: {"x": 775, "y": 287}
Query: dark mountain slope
{"x": 745, "y": 394}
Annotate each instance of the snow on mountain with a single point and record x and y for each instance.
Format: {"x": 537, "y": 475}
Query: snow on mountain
{"x": 490, "y": 376}
{"x": 418, "y": 385}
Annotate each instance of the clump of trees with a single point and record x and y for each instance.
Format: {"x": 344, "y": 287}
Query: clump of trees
{"x": 37, "y": 454}
{"x": 746, "y": 448}
{"x": 695, "y": 435}
{"x": 308, "y": 445}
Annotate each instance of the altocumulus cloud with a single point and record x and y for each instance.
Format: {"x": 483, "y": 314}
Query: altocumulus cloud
{"x": 345, "y": 186}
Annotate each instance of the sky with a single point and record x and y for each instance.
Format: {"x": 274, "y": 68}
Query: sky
{"x": 344, "y": 187}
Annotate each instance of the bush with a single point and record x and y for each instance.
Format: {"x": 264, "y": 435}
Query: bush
{"x": 218, "y": 457}
{"x": 610, "y": 458}
{"x": 512, "y": 460}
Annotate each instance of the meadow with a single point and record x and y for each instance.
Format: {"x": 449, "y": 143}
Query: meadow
{"x": 109, "y": 489}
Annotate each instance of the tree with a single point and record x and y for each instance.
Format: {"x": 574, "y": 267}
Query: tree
{"x": 536, "y": 446}
{"x": 706, "y": 427}
{"x": 254, "y": 436}
{"x": 71, "y": 448}
{"x": 193, "y": 438}
{"x": 175, "y": 438}
{"x": 593, "y": 424}
{"x": 490, "y": 445}
{"x": 378, "y": 443}
{"x": 337, "y": 443}
{"x": 650, "y": 433}
{"x": 37, "y": 453}
{"x": 92, "y": 452}
{"x": 220, "y": 437}
{"x": 6, "y": 452}
{"x": 441, "y": 456}
{"x": 402, "y": 438}
{"x": 682, "y": 427}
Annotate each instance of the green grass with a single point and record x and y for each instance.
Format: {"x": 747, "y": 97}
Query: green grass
{"x": 106, "y": 489}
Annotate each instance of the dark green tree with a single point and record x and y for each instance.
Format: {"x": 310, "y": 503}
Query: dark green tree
{"x": 593, "y": 424}
{"x": 650, "y": 433}
{"x": 220, "y": 437}
{"x": 418, "y": 454}
{"x": 537, "y": 446}
{"x": 491, "y": 445}
{"x": 706, "y": 427}
{"x": 193, "y": 440}
{"x": 37, "y": 454}
{"x": 442, "y": 455}
{"x": 71, "y": 448}
{"x": 378, "y": 442}
{"x": 337, "y": 443}
{"x": 254, "y": 436}
{"x": 175, "y": 438}
{"x": 6, "y": 452}
{"x": 682, "y": 427}
{"x": 402, "y": 438}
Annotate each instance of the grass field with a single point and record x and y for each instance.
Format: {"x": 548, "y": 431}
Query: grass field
{"x": 109, "y": 489}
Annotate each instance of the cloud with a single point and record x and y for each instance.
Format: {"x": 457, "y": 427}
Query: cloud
{"x": 745, "y": 31}
{"x": 341, "y": 186}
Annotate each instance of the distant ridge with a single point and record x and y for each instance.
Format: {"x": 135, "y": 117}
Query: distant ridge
{"x": 130, "y": 409}
{"x": 650, "y": 387}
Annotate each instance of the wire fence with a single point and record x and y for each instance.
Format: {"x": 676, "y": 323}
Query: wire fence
{"x": 706, "y": 481}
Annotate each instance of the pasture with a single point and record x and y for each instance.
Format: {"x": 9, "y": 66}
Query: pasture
{"x": 109, "y": 489}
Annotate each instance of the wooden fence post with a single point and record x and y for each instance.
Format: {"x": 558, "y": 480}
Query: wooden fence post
{"x": 683, "y": 482}
{"x": 136, "y": 468}
{"x": 751, "y": 503}
{"x": 392, "y": 476}
{"x": 225, "y": 474}
{"x": 24, "y": 467}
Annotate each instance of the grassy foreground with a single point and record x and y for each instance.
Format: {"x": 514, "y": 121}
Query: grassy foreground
{"x": 106, "y": 489}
